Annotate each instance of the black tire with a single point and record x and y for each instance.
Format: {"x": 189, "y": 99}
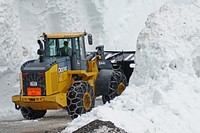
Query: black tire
{"x": 80, "y": 99}
{"x": 29, "y": 113}
{"x": 117, "y": 86}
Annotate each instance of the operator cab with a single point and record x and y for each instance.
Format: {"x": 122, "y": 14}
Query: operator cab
{"x": 58, "y": 47}
{"x": 67, "y": 45}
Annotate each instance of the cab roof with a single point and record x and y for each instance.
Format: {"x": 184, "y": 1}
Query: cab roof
{"x": 65, "y": 34}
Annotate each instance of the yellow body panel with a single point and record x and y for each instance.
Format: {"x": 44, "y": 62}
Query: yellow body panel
{"x": 56, "y": 101}
{"x": 65, "y": 35}
{"x": 93, "y": 71}
{"x": 57, "y": 82}
{"x": 65, "y": 81}
{"x": 51, "y": 77}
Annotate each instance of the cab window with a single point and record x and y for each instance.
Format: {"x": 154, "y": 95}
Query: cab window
{"x": 54, "y": 47}
{"x": 50, "y": 48}
{"x": 80, "y": 48}
{"x": 77, "y": 48}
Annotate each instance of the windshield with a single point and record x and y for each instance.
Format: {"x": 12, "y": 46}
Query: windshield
{"x": 56, "y": 47}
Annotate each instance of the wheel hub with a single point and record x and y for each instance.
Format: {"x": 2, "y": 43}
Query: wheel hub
{"x": 87, "y": 101}
{"x": 120, "y": 88}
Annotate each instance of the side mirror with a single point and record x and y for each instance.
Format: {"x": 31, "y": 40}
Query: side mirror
{"x": 90, "y": 39}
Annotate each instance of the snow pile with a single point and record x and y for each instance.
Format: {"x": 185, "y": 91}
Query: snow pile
{"x": 120, "y": 22}
{"x": 173, "y": 43}
{"x": 164, "y": 92}
{"x": 167, "y": 68}
{"x": 116, "y": 24}
{"x": 10, "y": 57}
{"x": 9, "y": 39}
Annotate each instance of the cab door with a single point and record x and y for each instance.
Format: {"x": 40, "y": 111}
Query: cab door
{"x": 82, "y": 53}
{"x": 79, "y": 55}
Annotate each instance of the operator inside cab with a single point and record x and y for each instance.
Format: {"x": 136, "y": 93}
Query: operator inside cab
{"x": 66, "y": 50}
{"x": 58, "y": 47}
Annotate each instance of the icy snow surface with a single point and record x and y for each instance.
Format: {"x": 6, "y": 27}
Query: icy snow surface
{"x": 164, "y": 92}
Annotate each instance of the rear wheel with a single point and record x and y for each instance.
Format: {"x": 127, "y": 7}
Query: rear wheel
{"x": 122, "y": 82}
{"x": 117, "y": 86}
{"x": 80, "y": 99}
{"x": 29, "y": 113}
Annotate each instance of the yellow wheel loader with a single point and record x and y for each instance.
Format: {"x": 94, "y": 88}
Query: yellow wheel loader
{"x": 66, "y": 77}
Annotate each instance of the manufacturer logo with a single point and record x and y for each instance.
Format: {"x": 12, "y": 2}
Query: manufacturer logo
{"x": 102, "y": 62}
{"x": 78, "y": 62}
{"x": 33, "y": 83}
{"x": 62, "y": 69}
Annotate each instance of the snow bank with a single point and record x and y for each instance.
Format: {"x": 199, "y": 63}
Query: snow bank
{"x": 167, "y": 68}
{"x": 9, "y": 39}
{"x": 164, "y": 91}
{"x": 121, "y": 22}
{"x": 10, "y": 57}
{"x": 170, "y": 40}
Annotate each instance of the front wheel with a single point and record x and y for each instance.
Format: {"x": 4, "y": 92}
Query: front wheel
{"x": 29, "y": 113}
{"x": 118, "y": 84}
{"x": 80, "y": 98}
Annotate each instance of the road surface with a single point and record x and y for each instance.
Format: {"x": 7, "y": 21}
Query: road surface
{"x": 53, "y": 122}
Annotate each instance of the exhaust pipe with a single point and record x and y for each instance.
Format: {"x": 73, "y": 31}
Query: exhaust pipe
{"x": 40, "y": 51}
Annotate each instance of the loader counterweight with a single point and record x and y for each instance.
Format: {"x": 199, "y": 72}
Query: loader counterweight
{"x": 56, "y": 101}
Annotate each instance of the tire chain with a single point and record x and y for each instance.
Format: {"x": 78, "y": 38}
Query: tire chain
{"x": 116, "y": 79}
{"x": 75, "y": 98}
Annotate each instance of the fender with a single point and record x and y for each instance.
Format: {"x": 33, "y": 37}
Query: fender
{"x": 103, "y": 82}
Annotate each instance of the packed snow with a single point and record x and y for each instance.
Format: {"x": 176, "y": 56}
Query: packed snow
{"x": 164, "y": 92}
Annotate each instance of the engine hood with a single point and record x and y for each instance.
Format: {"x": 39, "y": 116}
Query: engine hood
{"x": 36, "y": 65}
